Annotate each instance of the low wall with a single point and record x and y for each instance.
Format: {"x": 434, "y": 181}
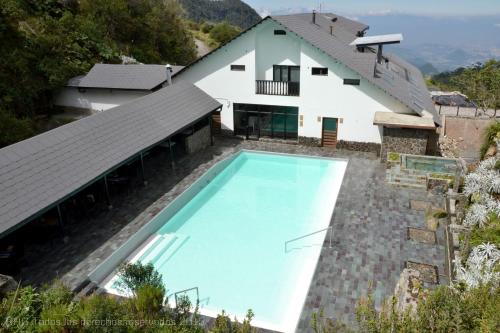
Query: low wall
{"x": 404, "y": 140}
{"x": 198, "y": 140}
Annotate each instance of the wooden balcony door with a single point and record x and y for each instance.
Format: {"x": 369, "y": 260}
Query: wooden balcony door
{"x": 329, "y": 133}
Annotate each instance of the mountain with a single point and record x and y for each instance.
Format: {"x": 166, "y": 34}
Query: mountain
{"x": 235, "y": 12}
{"x": 445, "y": 42}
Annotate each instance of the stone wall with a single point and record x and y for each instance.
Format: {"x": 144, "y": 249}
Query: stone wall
{"x": 198, "y": 140}
{"x": 359, "y": 146}
{"x": 308, "y": 141}
{"x": 404, "y": 140}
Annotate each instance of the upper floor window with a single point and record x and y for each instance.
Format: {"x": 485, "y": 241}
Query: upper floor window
{"x": 240, "y": 68}
{"x": 286, "y": 73}
{"x": 279, "y": 32}
{"x": 319, "y": 71}
{"x": 352, "y": 82}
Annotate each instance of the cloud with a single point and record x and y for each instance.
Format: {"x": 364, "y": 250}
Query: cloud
{"x": 382, "y": 12}
{"x": 497, "y": 25}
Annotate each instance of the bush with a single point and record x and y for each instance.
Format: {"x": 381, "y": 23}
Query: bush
{"x": 443, "y": 309}
{"x": 13, "y": 129}
{"x": 440, "y": 214}
{"x": 223, "y": 32}
{"x": 148, "y": 301}
{"x": 137, "y": 275}
{"x": 491, "y": 134}
{"x": 206, "y": 27}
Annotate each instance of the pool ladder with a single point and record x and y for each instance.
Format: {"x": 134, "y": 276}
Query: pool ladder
{"x": 330, "y": 229}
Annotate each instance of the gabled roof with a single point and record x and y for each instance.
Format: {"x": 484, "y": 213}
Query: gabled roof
{"x": 129, "y": 77}
{"x": 38, "y": 172}
{"x": 402, "y": 81}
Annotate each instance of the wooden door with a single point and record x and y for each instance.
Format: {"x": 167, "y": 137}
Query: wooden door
{"x": 216, "y": 123}
{"x": 329, "y": 133}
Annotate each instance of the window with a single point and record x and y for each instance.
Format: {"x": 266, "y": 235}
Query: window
{"x": 319, "y": 71}
{"x": 240, "y": 68}
{"x": 351, "y": 82}
{"x": 286, "y": 73}
{"x": 279, "y": 32}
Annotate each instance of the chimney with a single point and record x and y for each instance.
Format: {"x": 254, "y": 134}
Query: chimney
{"x": 314, "y": 17}
{"x": 168, "y": 68}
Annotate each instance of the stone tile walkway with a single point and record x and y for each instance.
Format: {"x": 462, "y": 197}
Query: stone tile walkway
{"x": 370, "y": 229}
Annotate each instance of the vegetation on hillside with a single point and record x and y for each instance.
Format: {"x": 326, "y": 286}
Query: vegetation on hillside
{"x": 480, "y": 82}
{"x": 235, "y": 12}
{"x": 213, "y": 35}
{"x": 44, "y": 43}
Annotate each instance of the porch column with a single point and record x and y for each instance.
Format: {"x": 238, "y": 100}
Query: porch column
{"x": 108, "y": 200}
{"x": 144, "y": 181}
{"x": 171, "y": 153}
{"x": 211, "y": 133}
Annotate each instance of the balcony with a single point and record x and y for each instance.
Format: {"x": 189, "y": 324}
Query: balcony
{"x": 280, "y": 88}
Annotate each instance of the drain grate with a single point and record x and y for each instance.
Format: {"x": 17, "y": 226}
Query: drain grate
{"x": 422, "y": 235}
{"x": 428, "y": 273}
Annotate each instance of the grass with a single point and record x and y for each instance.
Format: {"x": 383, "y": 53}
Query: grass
{"x": 442, "y": 176}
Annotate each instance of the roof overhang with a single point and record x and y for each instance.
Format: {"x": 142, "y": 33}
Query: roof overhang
{"x": 391, "y": 119}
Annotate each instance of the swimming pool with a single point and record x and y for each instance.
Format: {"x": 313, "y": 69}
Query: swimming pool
{"x": 228, "y": 240}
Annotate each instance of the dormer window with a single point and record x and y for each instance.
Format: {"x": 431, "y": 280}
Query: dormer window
{"x": 279, "y": 32}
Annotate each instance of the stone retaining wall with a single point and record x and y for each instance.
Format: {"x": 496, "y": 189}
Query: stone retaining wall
{"x": 359, "y": 146}
{"x": 404, "y": 140}
{"x": 309, "y": 141}
{"x": 198, "y": 140}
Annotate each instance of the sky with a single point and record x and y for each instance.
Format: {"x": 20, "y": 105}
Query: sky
{"x": 382, "y": 7}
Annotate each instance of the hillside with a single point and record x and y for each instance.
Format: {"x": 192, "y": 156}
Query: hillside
{"x": 235, "y": 12}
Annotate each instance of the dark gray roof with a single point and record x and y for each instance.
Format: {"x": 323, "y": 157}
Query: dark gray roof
{"x": 399, "y": 79}
{"x": 40, "y": 171}
{"x": 130, "y": 77}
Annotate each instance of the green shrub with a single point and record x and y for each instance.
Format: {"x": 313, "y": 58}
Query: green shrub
{"x": 99, "y": 312}
{"x": 20, "y": 309}
{"x": 490, "y": 135}
{"x": 393, "y": 157}
{"x": 148, "y": 301}
{"x": 223, "y": 32}
{"x": 206, "y": 27}
{"x": 440, "y": 214}
{"x": 489, "y": 234}
{"x": 134, "y": 276}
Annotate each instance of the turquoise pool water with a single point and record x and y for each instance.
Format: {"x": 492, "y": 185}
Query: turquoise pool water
{"x": 229, "y": 239}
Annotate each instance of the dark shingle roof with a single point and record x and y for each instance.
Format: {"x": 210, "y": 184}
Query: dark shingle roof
{"x": 131, "y": 77}
{"x": 399, "y": 79}
{"x": 40, "y": 171}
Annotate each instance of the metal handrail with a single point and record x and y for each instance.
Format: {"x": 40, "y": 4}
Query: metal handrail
{"x": 330, "y": 228}
{"x": 183, "y": 291}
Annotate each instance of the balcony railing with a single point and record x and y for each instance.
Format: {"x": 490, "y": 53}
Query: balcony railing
{"x": 281, "y": 88}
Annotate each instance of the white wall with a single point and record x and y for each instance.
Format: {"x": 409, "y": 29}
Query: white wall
{"x": 95, "y": 99}
{"x": 320, "y": 96}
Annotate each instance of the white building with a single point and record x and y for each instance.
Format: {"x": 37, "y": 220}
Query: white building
{"x": 109, "y": 85}
{"x": 298, "y": 77}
